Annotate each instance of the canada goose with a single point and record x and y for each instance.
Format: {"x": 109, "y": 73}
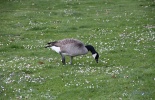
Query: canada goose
{"x": 72, "y": 48}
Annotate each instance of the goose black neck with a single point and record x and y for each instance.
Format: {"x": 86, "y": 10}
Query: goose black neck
{"x": 91, "y": 49}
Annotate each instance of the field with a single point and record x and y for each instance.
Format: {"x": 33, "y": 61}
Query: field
{"x": 122, "y": 31}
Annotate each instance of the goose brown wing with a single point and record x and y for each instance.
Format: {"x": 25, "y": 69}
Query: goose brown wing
{"x": 74, "y": 49}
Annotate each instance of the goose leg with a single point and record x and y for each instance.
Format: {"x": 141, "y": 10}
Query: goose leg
{"x": 63, "y": 58}
{"x": 71, "y": 59}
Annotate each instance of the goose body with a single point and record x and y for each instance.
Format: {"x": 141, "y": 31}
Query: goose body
{"x": 72, "y": 48}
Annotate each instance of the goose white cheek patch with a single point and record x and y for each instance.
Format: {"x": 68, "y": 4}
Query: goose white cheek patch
{"x": 94, "y": 55}
{"x": 57, "y": 49}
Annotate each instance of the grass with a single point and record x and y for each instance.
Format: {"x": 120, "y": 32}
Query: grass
{"x": 123, "y": 33}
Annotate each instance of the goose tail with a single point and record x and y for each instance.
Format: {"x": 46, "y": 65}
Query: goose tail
{"x": 47, "y": 46}
{"x": 50, "y": 44}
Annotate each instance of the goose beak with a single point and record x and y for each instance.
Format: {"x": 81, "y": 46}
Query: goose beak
{"x": 96, "y": 60}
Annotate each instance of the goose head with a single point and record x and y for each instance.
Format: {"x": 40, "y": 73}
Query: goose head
{"x": 96, "y": 56}
{"x": 93, "y": 51}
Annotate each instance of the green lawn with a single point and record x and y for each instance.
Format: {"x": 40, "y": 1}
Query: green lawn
{"x": 122, "y": 31}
